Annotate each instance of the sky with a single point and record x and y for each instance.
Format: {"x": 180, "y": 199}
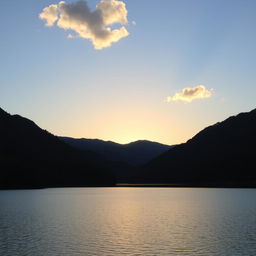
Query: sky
{"x": 156, "y": 70}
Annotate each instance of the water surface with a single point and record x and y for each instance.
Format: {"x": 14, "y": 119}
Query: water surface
{"x": 128, "y": 221}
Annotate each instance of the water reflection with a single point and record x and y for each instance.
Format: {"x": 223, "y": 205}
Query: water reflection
{"x": 128, "y": 221}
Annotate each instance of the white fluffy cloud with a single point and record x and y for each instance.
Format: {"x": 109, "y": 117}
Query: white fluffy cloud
{"x": 93, "y": 25}
{"x": 189, "y": 94}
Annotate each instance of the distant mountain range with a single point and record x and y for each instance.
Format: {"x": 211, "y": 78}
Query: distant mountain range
{"x": 135, "y": 153}
{"x": 220, "y": 155}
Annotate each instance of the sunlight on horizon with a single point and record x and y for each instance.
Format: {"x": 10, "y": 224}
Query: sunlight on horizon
{"x": 119, "y": 93}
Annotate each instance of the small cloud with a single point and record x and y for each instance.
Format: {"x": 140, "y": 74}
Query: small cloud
{"x": 93, "y": 25}
{"x": 134, "y": 23}
{"x": 189, "y": 94}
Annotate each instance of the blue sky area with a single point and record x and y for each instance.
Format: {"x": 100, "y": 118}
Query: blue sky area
{"x": 119, "y": 93}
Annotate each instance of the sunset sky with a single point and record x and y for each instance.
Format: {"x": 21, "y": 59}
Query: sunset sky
{"x": 156, "y": 70}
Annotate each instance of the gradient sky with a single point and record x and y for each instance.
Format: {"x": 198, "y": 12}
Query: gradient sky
{"x": 119, "y": 93}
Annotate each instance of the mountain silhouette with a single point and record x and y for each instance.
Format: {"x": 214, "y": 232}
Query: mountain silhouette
{"x": 134, "y": 153}
{"x": 220, "y": 155}
{"x": 31, "y": 157}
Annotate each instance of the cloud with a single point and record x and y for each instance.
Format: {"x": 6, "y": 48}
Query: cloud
{"x": 93, "y": 25}
{"x": 189, "y": 94}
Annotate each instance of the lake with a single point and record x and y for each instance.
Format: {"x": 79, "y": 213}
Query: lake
{"x": 128, "y": 221}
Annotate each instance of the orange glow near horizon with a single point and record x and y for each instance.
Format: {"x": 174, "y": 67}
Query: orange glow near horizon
{"x": 125, "y": 126}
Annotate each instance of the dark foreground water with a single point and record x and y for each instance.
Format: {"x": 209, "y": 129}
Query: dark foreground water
{"x": 128, "y": 221}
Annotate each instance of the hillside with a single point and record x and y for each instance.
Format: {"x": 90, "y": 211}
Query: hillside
{"x": 31, "y": 157}
{"x": 135, "y": 153}
{"x": 222, "y": 154}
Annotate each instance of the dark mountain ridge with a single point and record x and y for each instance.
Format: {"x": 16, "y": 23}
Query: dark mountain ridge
{"x": 134, "y": 153}
{"x": 32, "y": 157}
{"x": 221, "y": 154}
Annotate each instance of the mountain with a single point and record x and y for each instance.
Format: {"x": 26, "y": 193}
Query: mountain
{"x": 220, "y": 155}
{"x": 135, "y": 153}
{"x": 31, "y": 157}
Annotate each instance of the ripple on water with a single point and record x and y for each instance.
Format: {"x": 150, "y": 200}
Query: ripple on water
{"x": 128, "y": 221}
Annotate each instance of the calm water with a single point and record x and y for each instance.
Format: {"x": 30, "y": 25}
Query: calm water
{"x": 128, "y": 221}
